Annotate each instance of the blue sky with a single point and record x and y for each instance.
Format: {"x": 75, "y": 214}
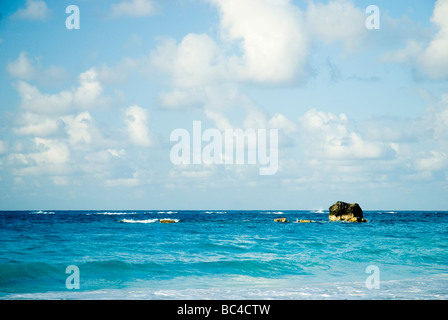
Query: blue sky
{"x": 86, "y": 114}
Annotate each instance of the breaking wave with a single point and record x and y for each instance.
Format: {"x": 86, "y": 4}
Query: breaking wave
{"x": 42, "y": 212}
{"x": 139, "y": 221}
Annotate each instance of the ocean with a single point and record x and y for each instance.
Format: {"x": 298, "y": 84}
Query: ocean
{"x": 219, "y": 254}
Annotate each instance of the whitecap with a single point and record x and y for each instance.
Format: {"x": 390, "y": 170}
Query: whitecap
{"x": 42, "y": 212}
{"x": 139, "y": 221}
{"x": 115, "y": 213}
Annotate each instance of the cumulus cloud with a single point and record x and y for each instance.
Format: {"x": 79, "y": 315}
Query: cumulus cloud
{"x": 429, "y": 59}
{"x": 281, "y": 122}
{"x": 26, "y": 68}
{"x": 53, "y": 152}
{"x": 22, "y": 67}
{"x": 412, "y": 50}
{"x": 79, "y": 128}
{"x": 271, "y": 37}
{"x": 433, "y": 161}
{"x": 34, "y": 10}
{"x": 136, "y": 119}
{"x": 264, "y": 42}
{"x": 434, "y": 60}
{"x": 435, "y": 123}
{"x": 331, "y": 136}
{"x": 36, "y": 125}
{"x": 132, "y": 8}
{"x": 85, "y": 96}
{"x": 35, "y": 101}
{"x": 194, "y": 62}
{"x": 50, "y": 157}
{"x": 89, "y": 90}
{"x": 338, "y": 21}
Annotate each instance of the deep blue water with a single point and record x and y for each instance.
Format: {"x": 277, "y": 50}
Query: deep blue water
{"x": 222, "y": 255}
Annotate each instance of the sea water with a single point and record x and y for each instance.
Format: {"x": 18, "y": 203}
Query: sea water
{"x": 222, "y": 255}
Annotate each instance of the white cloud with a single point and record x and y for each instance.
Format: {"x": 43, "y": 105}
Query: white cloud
{"x": 34, "y": 10}
{"x": 51, "y": 156}
{"x": 36, "y": 125}
{"x": 78, "y": 128}
{"x": 53, "y": 152}
{"x": 89, "y": 90}
{"x": 117, "y": 153}
{"x": 337, "y": 21}
{"x": 412, "y": 50}
{"x": 35, "y": 101}
{"x": 279, "y": 121}
{"x": 132, "y": 8}
{"x": 434, "y": 60}
{"x": 271, "y": 36}
{"x": 434, "y": 161}
{"x": 194, "y": 62}
{"x": 330, "y": 136}
{"x": 21, "y": 68}
{"x": 430, "y": 59}
{"x": 436, "y": 123}
{"x": 136, "y": 119}
{"x": 26, "y": 68}
{"x": 86, "y": 96}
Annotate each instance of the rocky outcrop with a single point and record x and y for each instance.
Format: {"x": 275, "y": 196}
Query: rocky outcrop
{"x": 343, "y": 211}
{"x": 281, "y": 220}
{"x": 167, "y": 221}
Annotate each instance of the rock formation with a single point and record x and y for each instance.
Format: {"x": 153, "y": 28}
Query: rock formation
{"x": 281, "y": 220}
{"x": 167, "y": 221}
{"x": 351, "y": 212}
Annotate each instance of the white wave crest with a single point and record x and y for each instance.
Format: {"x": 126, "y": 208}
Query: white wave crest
{"x": 42, "y": 212}
{"x": 139, "y": 221}
{"x": 273, "y": 212}
{"x": 115, "y": 213}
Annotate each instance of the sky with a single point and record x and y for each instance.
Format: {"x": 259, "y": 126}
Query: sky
{"x": 87, "y": 110}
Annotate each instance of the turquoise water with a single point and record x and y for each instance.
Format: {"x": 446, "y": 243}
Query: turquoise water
{"x": 222, "y": 255}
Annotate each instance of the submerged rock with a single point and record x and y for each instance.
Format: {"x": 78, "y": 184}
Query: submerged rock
{"x": 343, "y": 211}
{"x": 302, "y": 221}
{"x": 281, "y": 220}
